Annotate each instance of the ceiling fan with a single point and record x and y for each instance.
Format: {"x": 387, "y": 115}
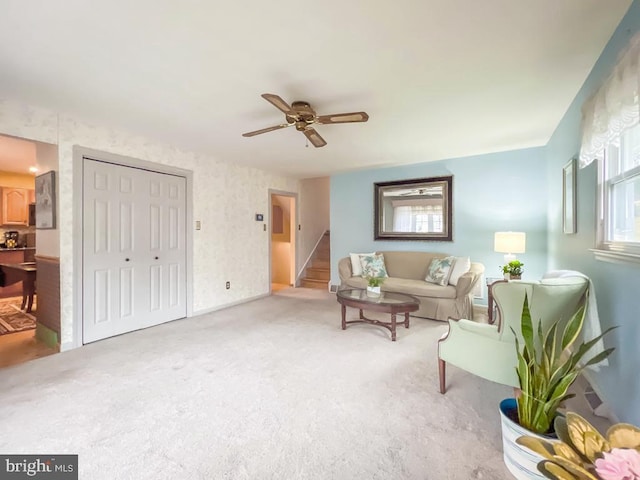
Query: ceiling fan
{"x": 302, "y": 116}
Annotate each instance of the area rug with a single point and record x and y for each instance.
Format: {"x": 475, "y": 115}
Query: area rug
{"x": 12, "y": 319}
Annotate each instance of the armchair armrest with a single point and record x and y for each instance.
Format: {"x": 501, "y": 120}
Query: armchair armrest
{"x": 470, "y": 326}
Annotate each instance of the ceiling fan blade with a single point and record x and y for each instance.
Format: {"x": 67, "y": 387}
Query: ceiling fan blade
{"x": 314, "y": 137}
{"x": 265, "y": 130}
{"x": 278, "y": 102}
{"x": 343, "y": 118}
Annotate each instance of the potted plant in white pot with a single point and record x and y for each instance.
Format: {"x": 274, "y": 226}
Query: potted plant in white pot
{"x": 373, "y": 286}
{"x": 512, "y": 270}
{"x": 547, "y": 366}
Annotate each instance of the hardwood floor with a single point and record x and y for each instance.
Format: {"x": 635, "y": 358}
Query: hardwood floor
{"x": 21, "y": 347}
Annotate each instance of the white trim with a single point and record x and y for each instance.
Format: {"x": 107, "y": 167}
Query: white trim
{"x": 615, "y": 257}
{"x": 230, "y": 304}
{"x": 306, "y": 263}
{"x": 79, "y": 153}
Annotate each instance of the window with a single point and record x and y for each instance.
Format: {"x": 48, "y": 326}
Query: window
{"x": 419, "y": 219}
{"x": 620, "y": 195}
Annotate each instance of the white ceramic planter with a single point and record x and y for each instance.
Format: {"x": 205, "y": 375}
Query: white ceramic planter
{"x": 373, "y": 291}
{"x": 521, "y": 462}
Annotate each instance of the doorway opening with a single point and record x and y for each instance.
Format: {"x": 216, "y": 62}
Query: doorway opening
{"x": 29, "y": 323}
{"x": 283, "y": 209}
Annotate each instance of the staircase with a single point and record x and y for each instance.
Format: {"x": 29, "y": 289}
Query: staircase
{"x": 318, "y": 274}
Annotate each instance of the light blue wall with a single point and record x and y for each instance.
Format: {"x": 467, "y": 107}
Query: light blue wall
{"x": 617, "y": 286}
{"x": 494, "y": 192}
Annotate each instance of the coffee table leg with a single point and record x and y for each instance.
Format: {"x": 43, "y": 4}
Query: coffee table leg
{"x": 406, "y": 320}
{"x": 361, "y": 315}
{"x": 344, "y": 317}
{"x": 393, "y": 327}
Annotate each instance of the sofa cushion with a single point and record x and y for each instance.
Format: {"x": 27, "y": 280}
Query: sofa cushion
{"x": 419, "y": 288}
{"x": 440, "y": 270}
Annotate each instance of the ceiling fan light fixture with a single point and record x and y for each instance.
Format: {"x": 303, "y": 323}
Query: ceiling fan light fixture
{"x": 301, "y": 115}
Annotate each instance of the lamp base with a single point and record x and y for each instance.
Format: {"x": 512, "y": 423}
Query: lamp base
{"x": 509, "y": 257}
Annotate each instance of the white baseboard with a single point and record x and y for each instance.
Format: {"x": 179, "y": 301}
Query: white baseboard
{"x": 230, "y": 304}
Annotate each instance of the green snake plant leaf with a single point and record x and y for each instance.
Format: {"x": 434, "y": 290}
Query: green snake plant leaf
{"x": 623, "y": 435}
{"x": 573, "y": 328}
{"x": 550, "y": 345}
{"x": 599, "y": 357}
{"x": 527, "y": 327}
{"x": 585, "y": 347}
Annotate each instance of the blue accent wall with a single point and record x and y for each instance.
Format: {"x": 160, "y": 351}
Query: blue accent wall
{"x": 494, "y": 192}
{"x": 521, "y": 191}
{"x": 617, "y": 286}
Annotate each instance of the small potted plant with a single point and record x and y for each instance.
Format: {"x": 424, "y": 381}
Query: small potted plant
{"x": 548, "y": 364}
{"x": 512, "y": 270}
{"x": 583, "y": 453}
{"x": 373, "y": 288}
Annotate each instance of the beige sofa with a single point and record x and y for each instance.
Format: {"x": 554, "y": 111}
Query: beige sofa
{"x": 407, "y": 271}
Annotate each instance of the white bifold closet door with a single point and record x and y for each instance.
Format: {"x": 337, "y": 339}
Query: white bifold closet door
{"x": 134, "y": 255}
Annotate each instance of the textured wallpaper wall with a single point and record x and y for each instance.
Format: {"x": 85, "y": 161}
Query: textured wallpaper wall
{"x": 231, "y": 246}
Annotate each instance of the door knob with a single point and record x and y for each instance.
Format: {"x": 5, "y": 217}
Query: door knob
{"x": 156, "y": 258}
{"x": 126, "y": 259}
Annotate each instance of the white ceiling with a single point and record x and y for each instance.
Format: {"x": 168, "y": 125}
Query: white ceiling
{"x": 438, "y": 78}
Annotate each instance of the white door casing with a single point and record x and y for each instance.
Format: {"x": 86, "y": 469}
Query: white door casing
{"x": 134, "y": 255}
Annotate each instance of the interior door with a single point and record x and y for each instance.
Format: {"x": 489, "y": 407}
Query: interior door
{"x": 134, "y": 253}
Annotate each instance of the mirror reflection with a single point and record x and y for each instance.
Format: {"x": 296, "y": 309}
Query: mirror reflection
{"x": 417, "y": 209}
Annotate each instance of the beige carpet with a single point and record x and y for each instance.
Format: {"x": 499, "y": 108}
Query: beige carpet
{"x": 272, "y": 389}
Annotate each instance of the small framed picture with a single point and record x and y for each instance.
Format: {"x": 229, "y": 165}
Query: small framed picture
{"x": 46, "y": 200}
{"x": 569, "y": 220}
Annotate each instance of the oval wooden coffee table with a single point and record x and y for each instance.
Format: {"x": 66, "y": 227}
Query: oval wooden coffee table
{"x": 387, "y": 302}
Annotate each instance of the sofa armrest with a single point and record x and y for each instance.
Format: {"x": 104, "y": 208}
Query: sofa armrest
{"x": 344, "y": 269}
{"x": 465, "y": 284}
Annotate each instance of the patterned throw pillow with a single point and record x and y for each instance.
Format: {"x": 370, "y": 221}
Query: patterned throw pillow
{"x": 440, "y": 270}
{"x": 373, "y": 266}
{"x": 356, "y": 266}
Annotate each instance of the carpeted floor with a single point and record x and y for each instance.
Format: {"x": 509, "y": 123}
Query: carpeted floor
{"x": 12, "y": 319}
{"x": 271, "y": 389}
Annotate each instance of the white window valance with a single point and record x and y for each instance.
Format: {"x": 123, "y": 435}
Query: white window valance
{"x": 614, "y": 107}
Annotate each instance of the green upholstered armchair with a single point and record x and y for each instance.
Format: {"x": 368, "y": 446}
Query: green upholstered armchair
{"x": 489, "y": 350}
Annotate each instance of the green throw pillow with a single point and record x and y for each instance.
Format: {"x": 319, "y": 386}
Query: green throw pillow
{"x": 373, "y": 265}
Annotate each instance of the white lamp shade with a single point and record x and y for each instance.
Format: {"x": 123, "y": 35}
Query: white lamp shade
{"x": 509, "y": 242}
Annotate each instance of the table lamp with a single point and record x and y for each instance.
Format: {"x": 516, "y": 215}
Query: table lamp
{"x": 509, "y": 243}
